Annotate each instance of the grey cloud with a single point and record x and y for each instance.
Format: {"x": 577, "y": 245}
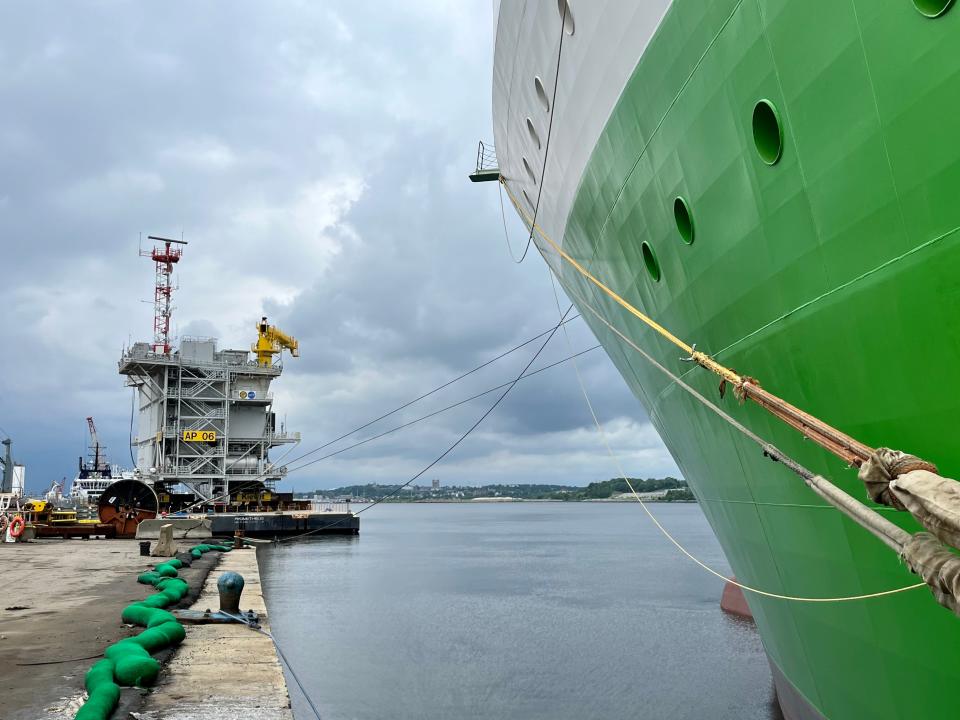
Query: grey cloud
{"x": 314, "y": 155}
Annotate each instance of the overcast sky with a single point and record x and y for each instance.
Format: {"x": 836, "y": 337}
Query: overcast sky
{"x": 314, "y": 155}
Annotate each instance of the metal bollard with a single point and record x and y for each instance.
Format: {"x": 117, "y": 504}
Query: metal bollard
{"x": 239, "y": 532}
{"x": 230, "y": 586}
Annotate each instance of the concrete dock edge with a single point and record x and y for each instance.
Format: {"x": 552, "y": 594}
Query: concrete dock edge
{"x": 225, "y": 672}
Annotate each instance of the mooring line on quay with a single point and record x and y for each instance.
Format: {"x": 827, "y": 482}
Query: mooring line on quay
{"x": 252, "y": 482}
{"x": 459, "y": 440}
{"x": 283, "y": 657}
{"x": 415, "y": 400}
{"x": 508, "y": 387}
{"x": 435, "y": 390}
{"x": 411, "y": 422}
{"x": 441, "y": 410}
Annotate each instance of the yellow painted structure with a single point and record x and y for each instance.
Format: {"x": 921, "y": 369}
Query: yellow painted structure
{"x": 271, "y": 341}
{"x": 199, "y": 435}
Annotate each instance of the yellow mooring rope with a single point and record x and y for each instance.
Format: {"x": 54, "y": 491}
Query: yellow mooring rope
{"x": 843, "y": 446}
{"x": 826, "y": 436}
{"x": 653, "y": 518}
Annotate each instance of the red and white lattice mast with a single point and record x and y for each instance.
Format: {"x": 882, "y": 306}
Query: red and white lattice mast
{"x": 164, "y": 259}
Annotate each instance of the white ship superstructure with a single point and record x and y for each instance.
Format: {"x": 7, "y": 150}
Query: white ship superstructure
{"x": 87, "y": 487}
{"x": 96, "y": 473}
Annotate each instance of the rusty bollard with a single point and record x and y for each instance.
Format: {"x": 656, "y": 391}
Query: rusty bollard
{"x": 238, "y": 533}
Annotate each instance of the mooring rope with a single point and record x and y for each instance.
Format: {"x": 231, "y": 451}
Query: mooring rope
{"x": 459, "y": 440}
{"x": 843, "y": 446}
{"x": 283, "y": 657}
{"x": 438, "y": 412}
{"x": 253, "y": 482}
{"x": 768, "y": 448}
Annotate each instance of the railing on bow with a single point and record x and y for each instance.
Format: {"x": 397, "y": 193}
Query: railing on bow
{"x": 487, "y": 169}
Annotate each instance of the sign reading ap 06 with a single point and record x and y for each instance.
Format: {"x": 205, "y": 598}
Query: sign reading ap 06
{"x": 200, "y": 435}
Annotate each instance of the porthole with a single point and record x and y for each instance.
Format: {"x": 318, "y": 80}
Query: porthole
{"x": 650, "y": 260}
{"x": 533, "y": 133}
{"x": 541, "y": 94}
{"x": 681, "y": 213}
{"x": 526, "y": 166}
{"x": 563, "y": 7}
{"x": 932, "y": 8}
{"x": 767, "y": 133}
{"x": 529, "y": 201}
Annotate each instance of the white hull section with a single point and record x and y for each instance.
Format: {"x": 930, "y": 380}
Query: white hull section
{"x": 609, "y": 37}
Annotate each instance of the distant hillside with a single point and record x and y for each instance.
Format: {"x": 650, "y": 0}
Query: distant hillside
{"x": 676, "y": 491}
{"x": 608, "y": 488}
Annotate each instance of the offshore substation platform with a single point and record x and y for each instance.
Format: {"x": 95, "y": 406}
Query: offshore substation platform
{"x": 206, "y": 427}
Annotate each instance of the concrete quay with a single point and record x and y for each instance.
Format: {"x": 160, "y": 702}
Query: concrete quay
{"x": 223, "y": 672}
{"x": 60, "y": 608}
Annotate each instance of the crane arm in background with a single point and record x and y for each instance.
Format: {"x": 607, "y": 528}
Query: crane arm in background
{"x": 93, "y": 432}
{"x": 271, "y": 341}
{"x": 99, "y": 458}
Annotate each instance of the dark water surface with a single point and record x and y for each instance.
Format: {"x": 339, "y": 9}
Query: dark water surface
{"x": 520, "y": 610}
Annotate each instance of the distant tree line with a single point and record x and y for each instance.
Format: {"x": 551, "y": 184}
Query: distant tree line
{"x": 615, "y": 486}
{"x": 676, "y": 491}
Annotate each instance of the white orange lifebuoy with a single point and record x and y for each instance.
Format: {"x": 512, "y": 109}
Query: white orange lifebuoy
{"x": 17, "y": 525}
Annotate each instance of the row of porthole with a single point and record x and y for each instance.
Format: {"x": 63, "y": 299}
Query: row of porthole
{"x": 566, "y": 17}
{"x": 768, "y": 139}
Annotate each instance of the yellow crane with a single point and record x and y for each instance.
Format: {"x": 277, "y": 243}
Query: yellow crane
{"x": 271, "y": 341}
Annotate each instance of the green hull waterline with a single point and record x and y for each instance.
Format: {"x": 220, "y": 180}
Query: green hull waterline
{"x": 832, "y": 276}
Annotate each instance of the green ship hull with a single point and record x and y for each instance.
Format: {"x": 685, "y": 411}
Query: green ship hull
{"x": 831, "y": 275}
